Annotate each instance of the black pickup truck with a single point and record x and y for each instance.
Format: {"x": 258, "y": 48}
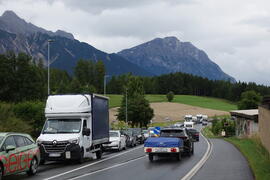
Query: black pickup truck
{"x": 173, "y": 141}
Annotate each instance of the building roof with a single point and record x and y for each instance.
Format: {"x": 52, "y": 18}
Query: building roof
{"x": 247, "y": 114}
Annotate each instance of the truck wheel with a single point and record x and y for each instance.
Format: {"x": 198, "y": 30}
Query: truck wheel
{"x": 81, "y": 158}
{"x": 192, "y": 151}
{"x": 178, "y": 156}
{"x": 99, "y": 154}
{"x": 151, "y": 157}
{"x": 33, "y": 167}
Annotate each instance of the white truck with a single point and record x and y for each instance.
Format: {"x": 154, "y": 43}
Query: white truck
{"x": 76, "y": 127}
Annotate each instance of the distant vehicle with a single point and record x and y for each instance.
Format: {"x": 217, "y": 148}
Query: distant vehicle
{"x": 188, "y": 118}
{"x": 204, "y": 123}
{"x": 205, "y": 118}
{"x": 179, "y": 125}
{"x": 194, "y": 133}
{"x": 146, "y": 134}
{"x": 117, "y": 141}
{"x": 199, "y": 118}
{"x": 18, "y": 153}
{"x": 76, "y": 127}
{"x": 151, "y": 132}
{"x": 173, "y": 141}
{"x": 140, "y": 136}
{"x": 131, "y": 138}
{"x": 189, "y": 124}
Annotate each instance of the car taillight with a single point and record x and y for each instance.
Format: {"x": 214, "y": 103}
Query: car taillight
{"x": 197, "y": 134}
{"x": 173, "y": 150}
{"x": 149, "y": 150}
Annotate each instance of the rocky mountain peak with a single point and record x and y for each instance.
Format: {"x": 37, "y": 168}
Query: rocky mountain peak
{"x": 10, "y": 15}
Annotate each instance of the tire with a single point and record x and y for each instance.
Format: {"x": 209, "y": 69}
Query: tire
{"x": 99, "y": 154}
{"x": 33, "y": 167}
{"x": 119, "y": 148}
{"x": 192, "y": 151}
{"x": 151, "y": 157}
{"x": 81, "y": 158}
{"x": 1, "y": 171}
{"x": 178, "y": 156}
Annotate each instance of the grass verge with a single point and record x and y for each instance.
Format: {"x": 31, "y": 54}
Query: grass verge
{"x": 206, "y": 131}
{"x": 205, "y": 102}
{"x": 256, "y": 154}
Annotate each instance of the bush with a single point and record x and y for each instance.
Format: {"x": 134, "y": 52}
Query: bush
{"x": 170, "y": 96}
{"x": 9, "y": 122}
{"x": 31, "y": 112}
{"x": 225, "y": 124}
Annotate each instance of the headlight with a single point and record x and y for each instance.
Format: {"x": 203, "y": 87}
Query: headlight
{"x": 74, "y": 141}
{"x": 39, "y": 141}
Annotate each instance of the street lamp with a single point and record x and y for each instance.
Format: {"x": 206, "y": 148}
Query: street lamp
{"x": 49, "y": 41}
{"x": 105, "y": 76}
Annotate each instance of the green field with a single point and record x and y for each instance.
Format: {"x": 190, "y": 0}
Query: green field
{"x": 205, "y": 102}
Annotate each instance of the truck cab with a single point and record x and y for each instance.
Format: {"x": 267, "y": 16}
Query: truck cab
{"x": 76, "y": 127}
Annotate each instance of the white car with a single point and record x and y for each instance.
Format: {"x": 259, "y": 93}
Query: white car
{"x": 188, "y": 124}
{"x": 117, "y": 141}
{"x": 146, "y": 134}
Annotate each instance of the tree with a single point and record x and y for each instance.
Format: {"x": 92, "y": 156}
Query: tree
{"x": 249, "y": 100}
{"x": 138, "y": 110}
{"x": 170, "y": 96}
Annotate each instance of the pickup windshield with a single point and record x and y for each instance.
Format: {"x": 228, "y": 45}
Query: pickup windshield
{"x": 57, "y": 126}
{"x": 172, "y": 133}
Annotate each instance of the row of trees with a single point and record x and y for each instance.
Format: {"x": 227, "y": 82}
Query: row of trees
{"x": 21, "y": 79}
{"x": 181, "y": 83}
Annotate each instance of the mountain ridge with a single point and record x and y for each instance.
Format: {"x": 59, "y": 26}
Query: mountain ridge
{"x": 169, "y": 55}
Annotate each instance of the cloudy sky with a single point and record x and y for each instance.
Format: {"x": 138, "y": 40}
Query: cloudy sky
{"x": 234, "y": 33}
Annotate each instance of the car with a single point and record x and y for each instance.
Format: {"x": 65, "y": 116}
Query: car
{"x": 117, "y": 141}
{"x": 145, "y": 133}
{"x": 194, "y": 133}
{"x": 173, "y": 141}
{"x": 188, "y": 124}
{"x": 131, "y": 140}
{"x": 18, "y": 153}
{"x": 204, "y": 123}
{"x": 140, "y": 136}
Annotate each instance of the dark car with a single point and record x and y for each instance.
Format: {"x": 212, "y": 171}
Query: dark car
{"x": 194, "y": 133}
{"x": 131, "y": 139}
{"x": 180, "y": 133}
{"x": 139, "y": 134}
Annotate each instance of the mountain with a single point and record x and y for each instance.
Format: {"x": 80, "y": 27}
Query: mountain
{"x": 19, "y": 36}
{"x": 169, "y": 55}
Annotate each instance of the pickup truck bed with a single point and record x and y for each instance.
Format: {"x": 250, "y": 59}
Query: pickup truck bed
{"x": 164, "y": 146}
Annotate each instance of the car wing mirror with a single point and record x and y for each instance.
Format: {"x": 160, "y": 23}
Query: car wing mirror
{"x": 10, "y": 148}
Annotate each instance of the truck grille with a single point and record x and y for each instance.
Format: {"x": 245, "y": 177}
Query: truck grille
{"x": 58, "y": 147}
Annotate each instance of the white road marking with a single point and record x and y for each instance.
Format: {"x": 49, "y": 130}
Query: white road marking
{"x": 88, "y": 165}
{"x": 198, "y": 166}
{"x": 114, "y": 166}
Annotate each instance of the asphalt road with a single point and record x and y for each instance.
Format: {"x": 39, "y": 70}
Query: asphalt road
{"x": 225, "y": 162}
{"x": 131, "y": 164}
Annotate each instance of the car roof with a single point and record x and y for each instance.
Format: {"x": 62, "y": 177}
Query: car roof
{"x": 173, "y": 128}
{"x": 13, "y": 133}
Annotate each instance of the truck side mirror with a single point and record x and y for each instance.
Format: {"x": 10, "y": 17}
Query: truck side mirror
{"x": 86, "y": 132}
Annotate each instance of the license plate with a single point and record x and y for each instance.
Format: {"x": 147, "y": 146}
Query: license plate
{"x": 54, "y": 155}
{"x": 68, "y": 155}
{"x": 161, "y": 150}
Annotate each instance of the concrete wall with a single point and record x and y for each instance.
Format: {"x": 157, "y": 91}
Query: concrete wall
{"x": 264, "y": 126}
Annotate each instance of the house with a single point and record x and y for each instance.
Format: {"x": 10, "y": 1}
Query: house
{"x": 264, "y": 122}
{"x": 246, "y": 122}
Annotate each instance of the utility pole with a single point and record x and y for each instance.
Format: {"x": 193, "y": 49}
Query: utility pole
{"x": 105, "y": 76}
{"x": 49, "y": 41}
{"x": 126, "y": 110}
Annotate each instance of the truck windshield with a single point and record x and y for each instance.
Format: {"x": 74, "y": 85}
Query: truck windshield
{"x": 54, "y": 126}
{"x": 172, "y": 133}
